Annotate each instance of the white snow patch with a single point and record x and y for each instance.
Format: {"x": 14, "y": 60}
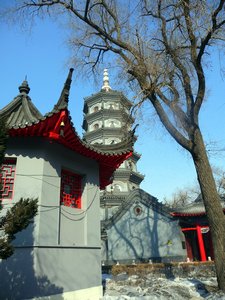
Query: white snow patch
{"x": 134, "y": 287}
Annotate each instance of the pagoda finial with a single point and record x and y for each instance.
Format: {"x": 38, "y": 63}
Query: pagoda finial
{"x": 106, "y": 87}
{"x": 64, "y": 97}
{"x": 24, "y": 87}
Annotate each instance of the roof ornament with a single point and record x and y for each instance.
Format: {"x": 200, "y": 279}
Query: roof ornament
{"x": 64, "y": 97}
{"x": 24, "y": 87}
{"x": 106, "y": 87}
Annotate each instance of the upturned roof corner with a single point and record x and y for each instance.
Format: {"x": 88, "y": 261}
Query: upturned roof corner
{"x": 64, "y": 97}
{"x": 24, "y": 120}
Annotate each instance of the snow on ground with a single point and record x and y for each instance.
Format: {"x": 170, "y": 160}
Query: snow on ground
{"x": 150, "y": 287}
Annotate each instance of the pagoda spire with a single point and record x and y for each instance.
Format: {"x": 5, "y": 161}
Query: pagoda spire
{"x": 24, "y": 87}
{"x": 106, "y": 87}
{"x": 64, "y": 97}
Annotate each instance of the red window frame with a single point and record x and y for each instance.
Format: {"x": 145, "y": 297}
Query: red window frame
{"x": 7, "y": 178}
{"x": 71, "y": 189}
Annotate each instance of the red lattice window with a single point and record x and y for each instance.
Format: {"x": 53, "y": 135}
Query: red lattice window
{"x": 7, "y": 178}
{"x": 71, "y": 189}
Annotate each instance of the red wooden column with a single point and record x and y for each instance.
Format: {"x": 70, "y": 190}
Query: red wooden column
{"x": 201, "y": 243}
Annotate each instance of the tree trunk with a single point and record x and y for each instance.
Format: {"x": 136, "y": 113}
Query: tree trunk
{"x": 212, "y": 204}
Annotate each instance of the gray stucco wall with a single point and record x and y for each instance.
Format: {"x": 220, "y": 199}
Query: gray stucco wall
{"x": 61, "y": 239}
{"x": 149, "y": 235}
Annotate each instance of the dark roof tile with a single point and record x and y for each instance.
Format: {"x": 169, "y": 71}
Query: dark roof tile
{"x": 20, "y": 111}
{"x": 195, "y": 208}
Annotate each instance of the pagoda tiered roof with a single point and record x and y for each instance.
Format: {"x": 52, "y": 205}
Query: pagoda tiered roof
{"x": 23, "y": 119}
{"x": 112, "y": 95}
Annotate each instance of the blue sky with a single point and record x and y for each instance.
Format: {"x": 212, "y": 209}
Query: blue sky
{"x": 41, "y": 54}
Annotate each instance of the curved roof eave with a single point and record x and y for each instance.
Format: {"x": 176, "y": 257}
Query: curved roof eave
{"x": 58, "y": 126}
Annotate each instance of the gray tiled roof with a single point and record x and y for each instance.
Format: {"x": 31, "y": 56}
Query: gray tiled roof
{"x": 112, "y": 94}
{"x": 21, "y": 111}
{"x": 144, "y": 198}
{"x": 195, "y": 208}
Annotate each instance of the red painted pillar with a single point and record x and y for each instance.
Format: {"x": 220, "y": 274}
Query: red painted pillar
{"x": 201, "y": 243}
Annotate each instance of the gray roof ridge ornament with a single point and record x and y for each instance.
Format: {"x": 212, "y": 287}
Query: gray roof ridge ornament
{"x": 21, "y": 111}
{"x": 24, "y": 87}
{"x": 106, "y": 87}
{"x": 64, "y": 97}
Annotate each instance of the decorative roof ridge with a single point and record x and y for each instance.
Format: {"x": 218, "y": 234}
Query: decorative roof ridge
{"x": 15, "y": 101}
{"x": 114, "y": 196}
{"x": 137, "y": 155}
{"x": 116, "y": 151}
{"x": 30, "y": 110}
{"x": 83, "y": 142}
{"x": 59, "y": 128}
{"x": 127, "y": 142}
{"x": 99, "y": 93}
{"x": 64, "y": 97}
{"x": 145, "y": 198}
{"x": 113, "y": 151}
{"x": 11, "y": 105}
{"x": 200, "y": 200}
{"x": 193, "y": 208}
{"x": 21, "y": 108}
{"x": 109, "y": 93}
{"x": 190, "y": 214}
{"x": 13, "y": 112}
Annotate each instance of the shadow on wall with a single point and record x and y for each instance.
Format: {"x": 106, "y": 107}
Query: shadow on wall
{"x": 153, "y": 232}
{"x": 139, "y": 234}
{"x": 18, "y": 280}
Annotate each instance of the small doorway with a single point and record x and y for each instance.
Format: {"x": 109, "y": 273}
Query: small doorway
{"x": 191, "y": 240}
{"x": 208, "y": 245}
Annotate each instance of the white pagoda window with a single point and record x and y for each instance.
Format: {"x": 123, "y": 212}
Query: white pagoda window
{"x": 112, "y": 124}
{"x": 111, "y": 105}
{"x": 112, "y": 141}
{"x": 95, "y": 108}
{"x": 96, "y": 126}
{"x": 117, "y": 188}
{"x": 132, "y": 165}
{"x": 98, "y": 141}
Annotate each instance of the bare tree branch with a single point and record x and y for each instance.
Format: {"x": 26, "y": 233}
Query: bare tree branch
{"x": 161, "y": 46}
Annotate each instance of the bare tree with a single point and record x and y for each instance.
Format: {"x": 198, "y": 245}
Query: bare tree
{"x": 182, "y": 197}
{"x": 219, "y": 175}
{"x": 161, "y": 45}
{"x": 187, "y": 195}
